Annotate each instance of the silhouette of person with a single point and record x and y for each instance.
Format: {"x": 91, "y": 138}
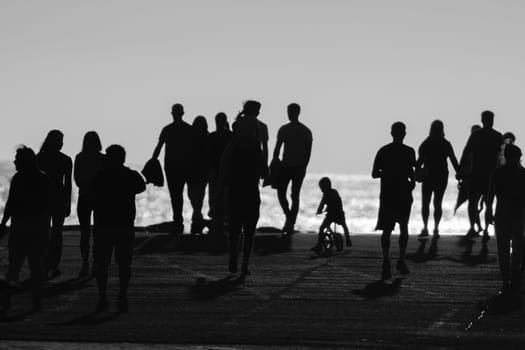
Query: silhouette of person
{"x": 114, "y": 190}
{"x": 433, "y": 155}
{"x": 178, "y": 159}
{"x": 394, "y": 165}
{"x": 58, "y": 167}
{"x": 199, "y": 173}
{"x": 296, "y": 140}
{"x": 482, "y": 150}
{"x": 333, "y": 205}
{"x": 88, "y": 163}
{"x": 508, "y": 138}
{"x": 508, "y": 187}
{"x": 28, "y": 205}
{"x": 217, "y": 142}
{"x": 242, "y": 166}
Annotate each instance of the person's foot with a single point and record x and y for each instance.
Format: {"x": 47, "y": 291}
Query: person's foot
{"x": 245, "y": 271}
{"x": 423, "y": 233}
{"x": 197, "y": 227}
{"x": 486, "y": 236}
{"x": 402, "y": 267}
{"x": 232, "y": 265}
{"x": 472, "y": 234}
{"x": 53, "y": 274}
{"x": 386, "y": 272}
{"x": 436, "y": 233}
{"x": 316, "y": 248}
{"x": 123, "y": 305}
{"x": 84, "y": 270}
{"x": 103, "y": 305}
{"x": 348, "y": 242}
{"x": 37, "y": 303}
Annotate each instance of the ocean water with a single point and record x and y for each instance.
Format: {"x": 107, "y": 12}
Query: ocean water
{"x": 359, "y": 193}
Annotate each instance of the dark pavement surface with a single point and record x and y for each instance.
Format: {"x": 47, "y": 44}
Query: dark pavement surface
{"x": 293, "y": 297}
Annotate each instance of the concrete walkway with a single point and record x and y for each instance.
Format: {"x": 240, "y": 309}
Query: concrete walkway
{"x": 292, "y": 298}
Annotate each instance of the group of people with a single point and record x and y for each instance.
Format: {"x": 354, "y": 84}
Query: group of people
{"x": 232, "y": 163}
{"x": 489, "y": 168}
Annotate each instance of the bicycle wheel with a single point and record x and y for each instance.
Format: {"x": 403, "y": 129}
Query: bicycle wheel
{"x": 327, "y": 243}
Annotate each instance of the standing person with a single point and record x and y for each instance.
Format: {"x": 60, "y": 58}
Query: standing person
{"x": 508, "y": 186}
{"x": 114, "y": 190}
{"x": 28, "y": 206}
{"x": 394, "y": 165}
{"x": 297, "y": 141}
{"x": 242, "y": 166}
{"x": 58, "y": 167}
{"x": 88, "y": 163}
{"x": 482, "y": 150}
{"x": 433, "y": 155}
{"x": 217, "y": 142}
{"x": 199, "y": 173}
{"x": 178, "y": 159}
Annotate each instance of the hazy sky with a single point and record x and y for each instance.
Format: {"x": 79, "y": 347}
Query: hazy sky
{"x": 355, "y": 67}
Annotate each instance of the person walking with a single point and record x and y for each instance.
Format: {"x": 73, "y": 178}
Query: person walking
{"x": 295, "y": 139}
{"x": 58, "y": 167}
{"x": 114, "y": 190}
{"x": 394, "y": 165}
{"x": 88, "y": 163}
{"x": 199, "y": 173}
{"x": 178, "y": 140}
{"x": 29, "y": 207}
{"x": 432, "y": 163}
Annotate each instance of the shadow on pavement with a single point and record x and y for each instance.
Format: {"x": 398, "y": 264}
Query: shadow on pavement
{"x": 93, "y": 318}
{"x": 206, "y": 290}
{"x": 379, "y": 289}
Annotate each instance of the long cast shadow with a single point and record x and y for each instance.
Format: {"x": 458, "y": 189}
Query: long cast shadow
{"x": 421, "y": 256}
{"x": 207, "y": 290}
{"x": 379, "y": 289}
{"x": 91, "y": 319}
{"x": 468, "y": 259}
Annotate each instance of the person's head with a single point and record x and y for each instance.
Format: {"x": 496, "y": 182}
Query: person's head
{"x": 325, "y": 184}
{"x": 293, "y": 112}
{"x": 91, "y": 143}
{"x": 53, "y": 141}
{"x": 487, "y": 119}
{"x": 177, "y": 111}
{"x": 200, "y": 125}
{"x": 512, "y": 154}
{"x": 25, "y": 159}
{"x": 115, "y": 155}
{"x": 221, "y": 121}
{"x": 509, "y": 137}
{"x": 398, "y": 131}
{"x": 437, "y": 129}
{"x": 474, "y": 128}
{"x": 251, "y": 108}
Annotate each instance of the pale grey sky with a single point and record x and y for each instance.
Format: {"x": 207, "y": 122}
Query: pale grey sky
{"x": 355, "y": 67}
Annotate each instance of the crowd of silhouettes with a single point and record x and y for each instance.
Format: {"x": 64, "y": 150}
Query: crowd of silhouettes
{"x": 232, "y": 163}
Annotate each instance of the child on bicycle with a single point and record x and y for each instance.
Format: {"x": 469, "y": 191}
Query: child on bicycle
{"x": 333, "y": 206}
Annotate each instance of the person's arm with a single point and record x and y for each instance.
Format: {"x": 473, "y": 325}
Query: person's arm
{"x": 411, "y": 174}
{"x": 454, "y": 160}
{"x": 68, "y": 186}
{"x": 160, "y": 143}
{"x": 278, "y": 145}
{"x": 264, "y": 145}
{"x": 77, "y": 171}
{"x": 466, "y": 158}
{"x": 309, "y": 150}
{"x": 377, "y": 167}
{"x": 421, "y": 158}
{"x": 139, "y": 185}
{"x": 321, "y": 205}
{"x": 490, "y": 197}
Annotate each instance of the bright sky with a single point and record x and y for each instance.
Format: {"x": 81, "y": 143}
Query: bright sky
{"x": 355, "y": 67}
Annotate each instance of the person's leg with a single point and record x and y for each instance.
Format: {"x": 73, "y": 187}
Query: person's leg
{"x": 282, "y": 195}
{"x": 385, "y": 248}
{"x": 234, "y": 234}
{"x": 249, "y": 225}
{"x": 213, "y": 196}
{"x": 54, "y": 250}
{"x": 176, "y": 182}
{"x": 196, "y": 189}
{"x": 438, "y": 205}
{"x": 403, "y": 240}
{"x": 297, "y": 182}
{"x": 320, "y": 236}
{"x": 123, "y": 258}
{"x": 503, "y": 245}
{"x": 84, "y": 218}
{"x": 473, "y": 214}
{"x": 348, "y": 241}
{"x": 103, "y": 249}
{"x": 426, "y": 195}
{"x": 35, "y": 259}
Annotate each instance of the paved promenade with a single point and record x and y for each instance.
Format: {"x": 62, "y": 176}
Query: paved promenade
{"x": 293, "y": 297}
